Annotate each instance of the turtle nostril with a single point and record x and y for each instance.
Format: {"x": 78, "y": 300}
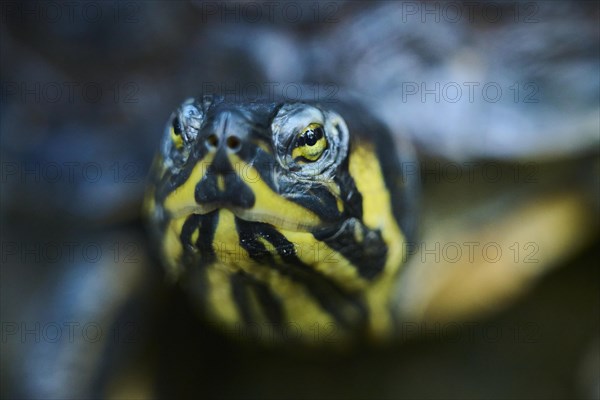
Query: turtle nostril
{"x": 234, "y": 143}
{"x": 212, "y": 141}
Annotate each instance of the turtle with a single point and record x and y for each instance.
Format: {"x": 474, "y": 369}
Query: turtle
{"x": 433, "y": 210}
{"x": 283, "y": 215}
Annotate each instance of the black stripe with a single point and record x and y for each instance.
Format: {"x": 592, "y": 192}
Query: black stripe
{"x": 316, "y": 198}
{"x": 188, "y": 228}
{"x": 235, "y": 193}
{"x": 368, "y": 256}
{"x": 349, "y": 192}
{"x": 346, "y": 308}
{"x": 207, "y": 225}
{"x": 171, "y": 180}
{"x": 240, "y": 296}
{"x": 270, "y": 304}
{"x": 263, "y": 162}
{"x": 241, "y": 284}
{"x": 206, "y": 235}
{"x": 195, "y": 263}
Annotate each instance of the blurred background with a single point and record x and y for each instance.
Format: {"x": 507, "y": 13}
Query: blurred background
{"x": 86, "y": 90}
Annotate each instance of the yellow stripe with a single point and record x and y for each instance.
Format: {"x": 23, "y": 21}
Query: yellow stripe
{"x": 326, "y": 260}
{"x": 195, "y": 235}
{"x": 182, "y": 200}
{"x": 226, "y": 241}
{"x": 220, "y": 297}
{"x": 377, "y": 214}
{"x": 172, "y": 247}
{"x": 177, "y": 139}
{"x": 271, "y": 207}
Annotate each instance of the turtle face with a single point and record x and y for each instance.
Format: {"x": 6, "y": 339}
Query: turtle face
{"x": 268, "y": 215}
{"x": 268, "y": 164}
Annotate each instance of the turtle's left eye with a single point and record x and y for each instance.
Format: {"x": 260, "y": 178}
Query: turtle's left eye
{"x": 176, "y": 133}
{"x": 310, "y": 144}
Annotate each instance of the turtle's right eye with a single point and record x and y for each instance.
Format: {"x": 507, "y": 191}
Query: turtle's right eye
{"x": 176, "y": 133}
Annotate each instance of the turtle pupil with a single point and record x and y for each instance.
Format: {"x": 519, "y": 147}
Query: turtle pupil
{"x": 310, "y": 137}
{"x": 313, "y": 135}
{"x": 176, "y": 126}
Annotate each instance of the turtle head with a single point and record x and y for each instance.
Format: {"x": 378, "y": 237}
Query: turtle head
{"x": 274, "y": 198}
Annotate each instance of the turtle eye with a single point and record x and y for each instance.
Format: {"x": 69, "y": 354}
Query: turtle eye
{"x": 310, "y": 144}
{"x": 176, "y": 133}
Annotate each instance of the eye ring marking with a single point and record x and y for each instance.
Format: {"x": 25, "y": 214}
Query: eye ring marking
{"x": 310, "y": 143}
